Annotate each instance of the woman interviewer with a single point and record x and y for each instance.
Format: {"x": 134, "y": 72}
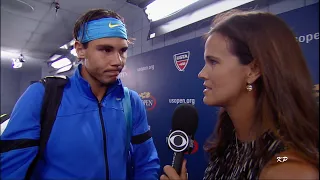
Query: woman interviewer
{"x": 268, "y": 123}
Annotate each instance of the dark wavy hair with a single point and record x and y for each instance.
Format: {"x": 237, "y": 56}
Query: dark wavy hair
{"x": 284, "y": 89}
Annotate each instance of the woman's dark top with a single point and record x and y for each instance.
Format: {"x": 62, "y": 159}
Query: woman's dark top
{"x": 247, "y": 165}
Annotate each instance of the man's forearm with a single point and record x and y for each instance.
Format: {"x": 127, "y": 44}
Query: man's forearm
{"x": 146, "y": 161}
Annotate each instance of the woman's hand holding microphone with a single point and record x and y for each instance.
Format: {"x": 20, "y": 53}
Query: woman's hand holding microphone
{"x": 171, "y": 174}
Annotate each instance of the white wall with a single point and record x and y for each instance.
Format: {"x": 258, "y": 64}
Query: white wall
{"x": 28, "y": 76}
{"x": 10, "y": 89}
{"x": 13, "y": 84}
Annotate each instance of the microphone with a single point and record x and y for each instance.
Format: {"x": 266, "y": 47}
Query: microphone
{"x": 181, "y": 136}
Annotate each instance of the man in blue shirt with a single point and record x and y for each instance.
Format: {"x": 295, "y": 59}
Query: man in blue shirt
{"x": 89, "y": 136}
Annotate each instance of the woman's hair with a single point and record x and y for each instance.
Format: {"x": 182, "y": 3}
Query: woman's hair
{"x": 284, "y": 89}
{"x": 95, "y": 14}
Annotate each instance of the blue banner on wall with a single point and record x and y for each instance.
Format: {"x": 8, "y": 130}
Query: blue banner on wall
{"x": 168, "y": 76}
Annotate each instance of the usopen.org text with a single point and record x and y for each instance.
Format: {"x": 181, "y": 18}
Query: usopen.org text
{"x": 182, "y": 101}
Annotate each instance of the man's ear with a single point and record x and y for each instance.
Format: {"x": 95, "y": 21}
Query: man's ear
{"x": 253, "y": 72}
{"x": 81, "y": 51}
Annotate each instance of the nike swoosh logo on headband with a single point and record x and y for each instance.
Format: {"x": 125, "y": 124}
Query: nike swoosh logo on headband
{"x": 113, "y": 25}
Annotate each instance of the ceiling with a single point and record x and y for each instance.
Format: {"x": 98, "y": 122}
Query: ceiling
{"x": 38, "y": 33}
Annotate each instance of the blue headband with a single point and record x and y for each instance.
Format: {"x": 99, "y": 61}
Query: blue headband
{"x": 102, "y": 28}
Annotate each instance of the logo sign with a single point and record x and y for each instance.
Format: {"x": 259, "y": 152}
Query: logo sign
{"x": 178, "y": 141}
{"x": 113, "y": 25}
{"x": 181, "y": 60}
{"x": 148, "y": 100}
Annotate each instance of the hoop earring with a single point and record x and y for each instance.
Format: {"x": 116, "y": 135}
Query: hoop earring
{"x": 249, "y": 87}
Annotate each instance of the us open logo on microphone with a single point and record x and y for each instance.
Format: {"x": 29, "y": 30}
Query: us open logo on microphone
{"x": 178, "y": 141}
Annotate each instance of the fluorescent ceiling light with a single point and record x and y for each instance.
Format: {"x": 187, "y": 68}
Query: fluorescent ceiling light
{"x": 152, "y": 35}
{"x": 54, "y": 57}
{"x": 162, "y": 8}
{"x": 16, "y": 63}
{"x": 64, "y": 69}
{"x": 67, "y": 45}
{"x": 74, "y": 52}
{"x": 200, "y": 14}
{"x": 61, "y": 63}
{"x": 64, "y": 47}
{"x": 71, "y": 43}
{"x": 8, "y": 55}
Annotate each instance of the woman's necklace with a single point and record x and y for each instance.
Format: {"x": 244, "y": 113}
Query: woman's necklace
{"x": 235, "y": 170}
{"x": 237, "y": 149}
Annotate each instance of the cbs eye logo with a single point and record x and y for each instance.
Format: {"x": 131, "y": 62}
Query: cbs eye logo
{"x": 178, "y": 141}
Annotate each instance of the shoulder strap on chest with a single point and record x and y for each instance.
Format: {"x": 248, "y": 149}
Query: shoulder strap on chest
{"x": 54, "y": 87}
{"x": 128, "y": 115}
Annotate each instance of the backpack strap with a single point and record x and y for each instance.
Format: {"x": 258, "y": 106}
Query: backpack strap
{"x": 126, "y": 101}
{"x": 128, "y": 116}
{"x": 54, "y": 87}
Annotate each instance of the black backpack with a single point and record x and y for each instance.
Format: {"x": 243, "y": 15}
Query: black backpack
{"x": 54, "y": 86}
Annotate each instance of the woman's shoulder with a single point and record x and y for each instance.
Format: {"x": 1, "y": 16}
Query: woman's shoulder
{"x": 289, "y": 165}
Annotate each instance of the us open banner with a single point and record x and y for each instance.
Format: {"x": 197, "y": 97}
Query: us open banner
{"x": 167, "y": 77}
